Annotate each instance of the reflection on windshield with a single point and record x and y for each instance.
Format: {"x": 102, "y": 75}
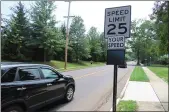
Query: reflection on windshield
{"x": 3, "y": 71}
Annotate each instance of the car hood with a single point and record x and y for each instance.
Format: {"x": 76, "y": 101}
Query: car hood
{"x": 68, "y": 76}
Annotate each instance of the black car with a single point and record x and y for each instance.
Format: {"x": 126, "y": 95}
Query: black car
{"x": 27, "y": 87}
{"x": 123, "y": 66}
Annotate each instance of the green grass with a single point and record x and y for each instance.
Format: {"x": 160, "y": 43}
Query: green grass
{"x": 127, "y": 106}
{"x": 157, "y": 65}
{"x": 139, "y": 75}
{"x": 72, "y": 66}
{"x": 160, "y": 71}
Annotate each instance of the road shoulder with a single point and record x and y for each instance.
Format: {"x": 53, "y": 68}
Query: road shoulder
{"x": 122, "y": 84}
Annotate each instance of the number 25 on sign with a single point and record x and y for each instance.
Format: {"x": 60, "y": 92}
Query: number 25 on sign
{"x": 117, "y": 21}
{"x": 113, "y": 27}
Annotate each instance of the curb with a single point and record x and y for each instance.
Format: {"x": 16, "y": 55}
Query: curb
{"x": 123, "y": 91}
{"x": 125, "y": 87}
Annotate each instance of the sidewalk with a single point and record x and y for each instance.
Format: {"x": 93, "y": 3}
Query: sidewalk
{"x": 150, "y": 96}
{"x": 160, "y": 87}
{"x": 143, "y": 94}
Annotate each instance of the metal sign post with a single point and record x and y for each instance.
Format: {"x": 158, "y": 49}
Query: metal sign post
{"x": 116, "y": 28}
{"x": 115, "y": 88}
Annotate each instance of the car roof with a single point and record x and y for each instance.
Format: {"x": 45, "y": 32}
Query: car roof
{"x": 11, "y": 65}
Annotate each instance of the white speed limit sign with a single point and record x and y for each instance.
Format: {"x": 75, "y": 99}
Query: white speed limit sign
{"x": 117, "y": 21}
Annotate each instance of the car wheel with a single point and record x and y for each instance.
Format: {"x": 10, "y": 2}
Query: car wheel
{"x": 13, "y": 109}
{"x": 69, "y": 93}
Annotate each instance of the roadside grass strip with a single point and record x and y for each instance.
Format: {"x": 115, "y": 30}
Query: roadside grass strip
{"x": 139, "y": 75}
{"x": 59, "y": 65}
{"x": 70, "y": 66}
{"x": 161, "y": 72}
{"x": 129, "y": 106}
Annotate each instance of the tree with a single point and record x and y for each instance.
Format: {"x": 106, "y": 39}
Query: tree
{"x": 78, "y": 44}
{"x": 160, "y": 15}
{"x": 94, "y": 43}
{"x": 59, "y": 49}
{"x": 63, "y": 30}
{"x": 17, "y": 32}
{"x": 3, "y": 39}
{"x": 103, "y": 46}
{"x": 45, "y": 36}
{"x": 142, "y": 38}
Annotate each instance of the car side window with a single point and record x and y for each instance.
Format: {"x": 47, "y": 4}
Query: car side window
{"x": 9, "y": 75}
{"x": 49, "y": 74}
{"x": 29, "y": 74}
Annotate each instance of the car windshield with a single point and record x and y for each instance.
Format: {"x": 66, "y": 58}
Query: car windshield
{"x": 3, "y": 71}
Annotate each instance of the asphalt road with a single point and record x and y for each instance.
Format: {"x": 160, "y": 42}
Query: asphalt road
{"x": 93, "y": 85}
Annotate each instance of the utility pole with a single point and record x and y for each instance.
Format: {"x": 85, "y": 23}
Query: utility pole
{"x": 67, "y": 34}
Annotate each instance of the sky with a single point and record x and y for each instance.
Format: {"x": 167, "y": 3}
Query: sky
{"x": 92, "y": 12}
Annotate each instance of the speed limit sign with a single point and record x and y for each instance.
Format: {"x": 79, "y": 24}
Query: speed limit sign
{"x": 117, "y": 21}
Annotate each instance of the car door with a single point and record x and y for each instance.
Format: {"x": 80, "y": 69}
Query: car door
{"x": 56, "y": 85}
{"x": 34, "y": 88}
{"x": 9, "y": 86}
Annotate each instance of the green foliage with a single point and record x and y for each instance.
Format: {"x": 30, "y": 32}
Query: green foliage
{"x": 38, "y": 38}
{"x": 164, "y": 60}
{"x": 128, "y": 57}
{"x": 149, "y": 38}
{"x": 94, "y": 43}
{"x": 78, "y": 42}
{"x": 143, "y": 42}
{"x": 103, "y": 43}
{"x": 45, "y": 35}
{"x": 63, "y": 30}
{"x": 160, "y": 15}
{"x": 16, "y": 33}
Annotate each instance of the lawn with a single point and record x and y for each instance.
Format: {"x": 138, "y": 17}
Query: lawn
{"x": 70, "y": 66}
{"x": 129, "y": 106}
{"x": 73, "y": 66}
{"x": 139, "y": 75}
{"x": 158, "y": 65}
{"x": 161, "y": 72}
